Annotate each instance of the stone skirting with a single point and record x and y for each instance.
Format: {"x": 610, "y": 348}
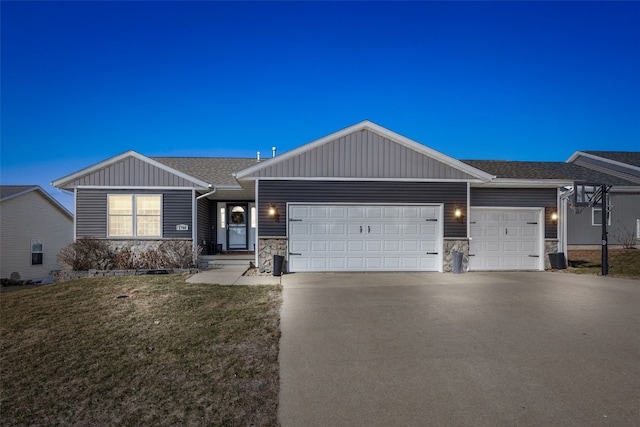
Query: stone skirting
{"x": 550, "y": 247}
{"x": 454, "y": 245}
{"x": 267, "y": 248}
{"x": 66, "y": 275}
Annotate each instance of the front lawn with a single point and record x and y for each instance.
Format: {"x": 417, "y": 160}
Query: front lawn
{"x": 140, "y": 350}
{"x": 623, "y": 263}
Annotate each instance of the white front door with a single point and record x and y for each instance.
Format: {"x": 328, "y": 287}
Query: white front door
{"x": 364, "y": 238}
{"x": 506, "y": 239}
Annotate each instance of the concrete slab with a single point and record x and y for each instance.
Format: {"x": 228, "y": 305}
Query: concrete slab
{"x": 380, "y": 349}
{"x": 232, "y": 275}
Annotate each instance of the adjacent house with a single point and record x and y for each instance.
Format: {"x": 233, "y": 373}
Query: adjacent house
{"x": 361, "y": 199}
{"x": 621, "y": 171}
{"x": 33, "y": 229}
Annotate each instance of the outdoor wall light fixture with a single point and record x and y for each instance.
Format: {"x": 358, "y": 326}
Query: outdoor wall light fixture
{"x": 554, "y": 216}
{"x": 458, "y": 214}
{"x": 273, "y": 213}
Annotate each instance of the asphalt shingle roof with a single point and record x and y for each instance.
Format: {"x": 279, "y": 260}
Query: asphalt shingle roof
{"x": 212, "y": 170}
{"x": 11, "y": 190}
{"x": 545, "y": 170}
{"x": 629, "y": 157}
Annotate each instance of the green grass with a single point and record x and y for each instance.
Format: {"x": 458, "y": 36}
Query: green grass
{"x": 624, "y": 263}
{"x": 171, "y": 353}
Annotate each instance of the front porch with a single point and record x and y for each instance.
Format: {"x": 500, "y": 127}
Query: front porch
{"x": 235, "y": 258}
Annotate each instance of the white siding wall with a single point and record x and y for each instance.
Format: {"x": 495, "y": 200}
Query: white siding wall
{"x": 26, "y": 217}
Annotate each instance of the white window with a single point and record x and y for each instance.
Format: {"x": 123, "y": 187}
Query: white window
{"x": 36, "y": 251}
{"x": 134, "y": 215}
{"x": 596, "y": 216}
{"x": 223, "y": 220}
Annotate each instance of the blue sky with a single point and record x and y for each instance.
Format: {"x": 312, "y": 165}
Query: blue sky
{"x": 84, "y": 81}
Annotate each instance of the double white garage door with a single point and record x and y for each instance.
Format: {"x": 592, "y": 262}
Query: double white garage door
{"x": 506, "y": 239}
{"x": 409, "y": 238}
{"x": 364, "y": 238}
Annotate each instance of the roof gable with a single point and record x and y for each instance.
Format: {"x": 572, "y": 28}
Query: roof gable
{"x": 129, "y": 169}
{"x": 8, "y": 192}
{"x": 621, "y": 164}
{"x": 364, "y": 151}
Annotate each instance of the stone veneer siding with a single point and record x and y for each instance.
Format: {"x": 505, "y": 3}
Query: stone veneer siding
{"x": 550, "y": 247}
{"x": 267, "y": 248}
{"x": 454, "y": 245}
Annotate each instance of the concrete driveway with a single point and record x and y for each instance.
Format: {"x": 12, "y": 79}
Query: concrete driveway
{"x": 429, "y": 349}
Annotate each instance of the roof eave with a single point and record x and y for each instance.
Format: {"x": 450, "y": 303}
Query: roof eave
{"x": 524, "y": 183}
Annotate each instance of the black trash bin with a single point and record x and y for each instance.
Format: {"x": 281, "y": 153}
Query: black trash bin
{"x": 278, "y": 262}
{"x": 558, "y": 262}
{"x": 457, "y": 262}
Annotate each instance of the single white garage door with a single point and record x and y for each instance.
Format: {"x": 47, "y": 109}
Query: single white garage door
{"x": 364, "y": 238}
{"x": 506, "y": 239}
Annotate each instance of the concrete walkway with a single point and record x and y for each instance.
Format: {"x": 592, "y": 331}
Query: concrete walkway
{"x": 232, "y": 275}
{"x": 481, "y": 349}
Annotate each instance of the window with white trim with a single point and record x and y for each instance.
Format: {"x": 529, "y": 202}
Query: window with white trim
{"x": 134, "y": 215}
{"x": 36, "y": 251}
{"x": 596, "y": 216}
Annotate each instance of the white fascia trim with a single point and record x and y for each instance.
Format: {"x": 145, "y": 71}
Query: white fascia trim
{"x": 229, "y": 187}
{"x": 86, "y": 171}
{"x": 577, "y": 154}
{"x": 333, "y": 178}
{"x": 525, "y": 183}
{"x": 366, "y": 124}
{"x": 133, "y": 187}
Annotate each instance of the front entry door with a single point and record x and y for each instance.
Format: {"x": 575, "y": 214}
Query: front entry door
{"x": 237, "y": 221}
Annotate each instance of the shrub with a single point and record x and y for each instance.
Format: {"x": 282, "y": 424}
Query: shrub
{"x": 86, "y": 253}
{"x": 624, "y": 236}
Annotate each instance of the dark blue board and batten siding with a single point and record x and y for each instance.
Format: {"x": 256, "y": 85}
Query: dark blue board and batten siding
{"x": 520, "y": 198}
{"x": 91, "y": 211}
{"x": 131, "y": 172}
{"x": 278, "y": 193}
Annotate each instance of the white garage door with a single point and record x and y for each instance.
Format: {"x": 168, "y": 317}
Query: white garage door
{"x": 506, "y": 239}
{"x": 364, "y": 238}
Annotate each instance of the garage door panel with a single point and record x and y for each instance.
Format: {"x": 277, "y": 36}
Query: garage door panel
{"x": 336, "y": 213}
{"x": 318, "y": 212}
{"x": 319, "y": 229}
{"x": 336, "y": 246}
{"x": 364, "y": 238}
{"x": 392, "y": 246}
{"x": 319, "y": 245}
{"x": 505, "y": 239}
{"x": 373, "y": 246}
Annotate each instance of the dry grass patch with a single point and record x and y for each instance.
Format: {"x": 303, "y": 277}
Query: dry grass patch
{"x": 170, "y": 353}
{"x": 623, "y": 263}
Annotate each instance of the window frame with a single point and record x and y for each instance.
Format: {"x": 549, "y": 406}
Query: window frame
{"x": 599, "y": 216}
{"x": 40, "y": 252}
{"x": 134, "y": 216}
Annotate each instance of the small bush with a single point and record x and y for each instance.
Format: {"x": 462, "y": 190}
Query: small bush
{"x": 624, "y": 236}
{"x": 86, "y": 253}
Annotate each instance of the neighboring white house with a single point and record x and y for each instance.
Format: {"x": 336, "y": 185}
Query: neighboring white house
{"x": 33, "y": 229}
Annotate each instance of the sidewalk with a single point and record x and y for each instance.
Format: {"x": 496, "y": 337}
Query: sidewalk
{"x": 232, "y": 275}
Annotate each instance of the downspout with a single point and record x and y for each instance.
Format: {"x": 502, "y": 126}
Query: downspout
{"x": 256, "y": 239}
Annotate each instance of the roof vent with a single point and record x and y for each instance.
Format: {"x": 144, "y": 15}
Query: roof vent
{"x": 258, "y": 157}
{"x": 273, "y": 151}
